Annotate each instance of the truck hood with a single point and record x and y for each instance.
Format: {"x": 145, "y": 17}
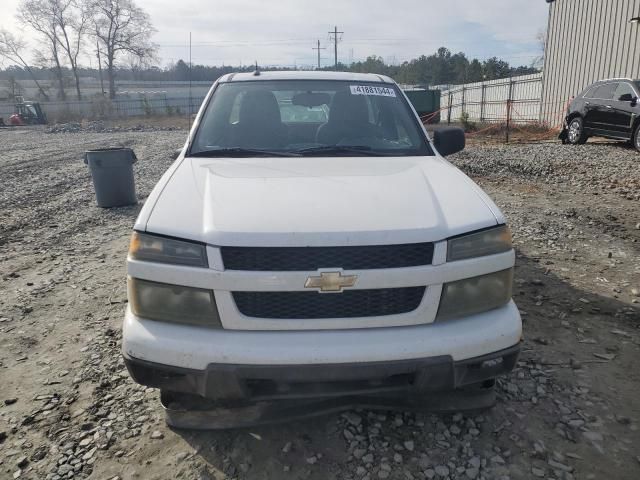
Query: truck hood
{"x": 314, "y": 201}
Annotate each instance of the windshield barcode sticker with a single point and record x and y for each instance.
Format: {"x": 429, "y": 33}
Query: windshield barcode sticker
{"x": 369, "y": 90}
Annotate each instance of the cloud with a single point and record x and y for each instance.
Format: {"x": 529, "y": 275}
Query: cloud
{"x": 284, "y": 31}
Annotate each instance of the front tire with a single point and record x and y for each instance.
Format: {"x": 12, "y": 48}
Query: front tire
{"x": 575, "y": 132}
{"x": 636, "y": 138}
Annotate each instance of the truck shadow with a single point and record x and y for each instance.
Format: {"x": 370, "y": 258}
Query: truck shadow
{"x": 564, "y": 325}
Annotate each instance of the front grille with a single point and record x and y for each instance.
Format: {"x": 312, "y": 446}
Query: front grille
{"x": 282, "y": 259}
{"x": 348, "y": 304}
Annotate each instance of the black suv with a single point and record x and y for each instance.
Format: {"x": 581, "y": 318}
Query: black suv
{"x": 608, "y": 108}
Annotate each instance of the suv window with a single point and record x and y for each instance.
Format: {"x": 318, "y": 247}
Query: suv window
{"x": 590, "y": 92}
{"x": 294, "y": 115}
{"x": 605, "y": 92}
{"x": 624, "y": 89}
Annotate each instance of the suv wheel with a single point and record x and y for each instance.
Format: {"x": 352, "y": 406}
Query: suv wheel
{"x": 575, "y": 132}
{"x": 636, "y": 138}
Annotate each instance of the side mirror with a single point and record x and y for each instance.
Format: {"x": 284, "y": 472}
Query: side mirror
{"x": 634, "y": 101}
{"x": 449, "y": 140}
{"x": 176, "y": 153}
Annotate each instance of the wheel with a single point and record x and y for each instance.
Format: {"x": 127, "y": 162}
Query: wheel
{"x": 636, "y": 138}
{"x": 576, "y": 134}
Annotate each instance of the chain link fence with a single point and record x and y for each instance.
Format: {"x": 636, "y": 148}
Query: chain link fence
{"x": 102, "y": 108}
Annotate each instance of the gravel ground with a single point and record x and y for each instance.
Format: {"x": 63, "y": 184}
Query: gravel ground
{"x": 569, "y": 410}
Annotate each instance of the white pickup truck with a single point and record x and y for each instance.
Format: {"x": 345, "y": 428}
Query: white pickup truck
{"x": 310, "y": 246}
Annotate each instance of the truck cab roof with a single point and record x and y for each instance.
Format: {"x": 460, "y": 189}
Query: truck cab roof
{"x": 305, "y": 75}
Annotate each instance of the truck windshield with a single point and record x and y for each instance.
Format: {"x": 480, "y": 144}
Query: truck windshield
{"x": 308, "y": 117}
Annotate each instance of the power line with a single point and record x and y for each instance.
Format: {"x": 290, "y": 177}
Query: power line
{"x": 335, "y": 43}
{"x": 318, "y": 49}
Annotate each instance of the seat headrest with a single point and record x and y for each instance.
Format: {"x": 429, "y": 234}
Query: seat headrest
{"x": 348, "y": 109}
{"x": 259, "y": 106}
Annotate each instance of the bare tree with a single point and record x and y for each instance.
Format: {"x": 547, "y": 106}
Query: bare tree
{"x": 541, "y": 39}
{"x": 12, "y": 49}
{"x": 121, "y": 27}
{"x": 41, "y": 16}
{"x": 72, "y": 19}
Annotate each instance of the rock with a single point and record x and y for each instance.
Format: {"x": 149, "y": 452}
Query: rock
{"x": 409, "y": 445}
{"x": 10, "y": 401}
{"x": 22, "y": 461}
{"x": 429, "y": 473}
{"x": 352, "y": 418}
{"x": 157, "y": 435}
{"x": 39, "y": 453}
{"x": 442, "y": 471}
{"x": 593, "y": 436}
{"x": 287, "y": 447}
{"x": 472, "y": 473}
{"x": 312, "y": 460}
{"x": 89, "y": 454}
{"x": 560, "y": 466}
{"x": 85, "y": 442}
{"x": 605, "y": 356}
{"x": 397, "y": 458}
{"x": 368, "y": 458}
{"x": 359, "y": 453}
{"x": 538, "y": 472}
{"x": 64, "y": 469}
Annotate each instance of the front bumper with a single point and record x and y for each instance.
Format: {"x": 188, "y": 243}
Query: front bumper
{"x": 196, "y": 348}
{"x": 223, "y": 379}
{"x": 234, "y": 396}
{"x": 242, "y": 384}
{"x": 252, "y": 366}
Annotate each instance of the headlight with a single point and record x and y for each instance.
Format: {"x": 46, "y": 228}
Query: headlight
{"x": 486, "y": 242}
{"x": 475, "y": 295}
{"x": 152, "y": 248}
{"x": 173, "y": 303}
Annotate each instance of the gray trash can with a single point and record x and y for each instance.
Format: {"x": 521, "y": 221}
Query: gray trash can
{"x": 112, "y": 174}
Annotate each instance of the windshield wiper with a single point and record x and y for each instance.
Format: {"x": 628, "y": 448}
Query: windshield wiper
{"x": 241, "y": 152}
{"x": 338, "y": 149}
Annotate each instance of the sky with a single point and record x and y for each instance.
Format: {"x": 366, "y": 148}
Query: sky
{"x": 284, "y": 32}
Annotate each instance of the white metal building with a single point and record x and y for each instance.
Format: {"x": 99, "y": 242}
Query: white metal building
{"x": 587, "y": 40}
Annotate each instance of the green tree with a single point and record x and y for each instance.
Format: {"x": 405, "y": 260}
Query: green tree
{"x": 474, "y": 72}
{"x": 494, "y": 68}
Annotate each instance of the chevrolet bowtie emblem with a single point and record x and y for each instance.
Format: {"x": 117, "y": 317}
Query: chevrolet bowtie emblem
{"x": 331, "y": 281}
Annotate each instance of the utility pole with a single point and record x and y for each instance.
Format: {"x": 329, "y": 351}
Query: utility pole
{"x": 190, "y": 67}
{"x": 318, "y": 49}
{"x": 335, "y": 44}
